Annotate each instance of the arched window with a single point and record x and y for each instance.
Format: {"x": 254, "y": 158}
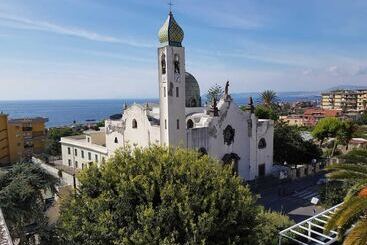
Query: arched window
{"x": 189, "y": 124}
{"x": 193, "y": 102}
{"x": 163, "y": 63}
{"x": 262, "y": 143}
{"x": 170, "y": 89}
{"x": 116, "y": 140}
{"x": 134, "y": 124}
{"x": 177, "y": 63}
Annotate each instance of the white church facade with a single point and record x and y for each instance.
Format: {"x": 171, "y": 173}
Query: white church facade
{"x": 220, "y": 129}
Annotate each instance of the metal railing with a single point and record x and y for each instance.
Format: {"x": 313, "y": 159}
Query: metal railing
{"x": 311, "y": 231}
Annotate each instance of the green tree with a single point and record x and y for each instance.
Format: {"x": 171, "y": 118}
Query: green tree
{"x": 352, "y": 215}
{"x": 326, "y": 128}
{"x": 290, "y": 147}
{"x": 345, "y": 133}
{"x": 21, "y": 199}
{"x": 53, "y": 146}
{"x": 268, "y": 98}
{"x": 264, "y": 112}
{"x": 331, "y": 127}
{"x": 161, "y": 196}
{"x": 215, "y": 92}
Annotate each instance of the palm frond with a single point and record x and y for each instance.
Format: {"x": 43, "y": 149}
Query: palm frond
{"x": 355, "y": 189}
{"x": 358, "y": 234}
{"x": 350, "y": 209}
{"x": 346, "y": 175}
{"x": 349, "y": 167}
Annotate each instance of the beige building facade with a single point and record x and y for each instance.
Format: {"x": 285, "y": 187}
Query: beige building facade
{"x": 345, "y": 100}
{"x": 21, "y": 138}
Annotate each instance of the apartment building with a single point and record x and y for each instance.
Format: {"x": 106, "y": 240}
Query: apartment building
{"x": 81, "y": 150}
{"x": 4, "y": 142}
{"x": 345, "y": 100}
{"x": 362, "y": 100}
{"x": 21, "y": 138}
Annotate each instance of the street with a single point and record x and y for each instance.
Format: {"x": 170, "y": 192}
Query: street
{"x": 291, "y": 198}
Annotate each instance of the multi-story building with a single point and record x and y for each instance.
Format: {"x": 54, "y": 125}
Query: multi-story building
{"x": 362, "y": 100}
{"x": 4, "y": 142}
{"x": 81, "y": 150}
{"x": 293, "y": 120}
{"x": 26, "y": 136}
{"x": 345, "y": 100}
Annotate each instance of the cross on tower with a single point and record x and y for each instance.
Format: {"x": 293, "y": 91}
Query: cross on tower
{"x": 170, "y": 4}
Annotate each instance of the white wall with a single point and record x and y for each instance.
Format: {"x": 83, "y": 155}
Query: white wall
{"x": 78, "y": 160}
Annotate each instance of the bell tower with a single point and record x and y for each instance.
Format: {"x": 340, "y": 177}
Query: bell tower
{"x": 171, "y": 77}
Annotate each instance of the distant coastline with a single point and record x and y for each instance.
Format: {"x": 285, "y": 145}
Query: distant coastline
{"x": 64, "y": 112}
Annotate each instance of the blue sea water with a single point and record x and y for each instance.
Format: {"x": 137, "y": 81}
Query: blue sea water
{"x": 64, "y": 112}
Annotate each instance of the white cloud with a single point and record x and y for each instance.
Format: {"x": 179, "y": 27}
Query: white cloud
{"x": 26, "y": 23}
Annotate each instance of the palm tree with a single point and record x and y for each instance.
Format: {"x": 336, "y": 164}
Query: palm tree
{"x": 268, "y": 98}
{"x": 352, "y": 214}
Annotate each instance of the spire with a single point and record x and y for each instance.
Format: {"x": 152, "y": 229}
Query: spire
{"x": 171, "y": 33}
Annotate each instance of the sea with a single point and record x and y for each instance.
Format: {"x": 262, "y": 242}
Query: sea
{"x": 66, "y": 112}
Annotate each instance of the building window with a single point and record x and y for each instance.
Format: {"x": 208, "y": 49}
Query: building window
{"x": 76, "y": 152}
{"x": 89, "y": 156}
{"x": 69, "y": 163}
{"x": 165, "y": 123}
{"x": 76, "y": 164}
{"x": 134, "y": 124}
{"x": 82, "y": 153}
{"x": 103, "y": 160}
{"x": 69, "y": 151}
{"x": 82, "y": 165}
{"x": 178, "y": 124}
{"x": 116, "y": 140}
{"x": 88, "y": 139}
{"x": 190, "y": 124}
{"x": 163, "y": 63}
{"x": 164, "y": 91}
{"x": 177, "y": 91}
{"x": 177, "y": 64}
{"x": 262, "y": 143}
{"x": 96, "y": 157}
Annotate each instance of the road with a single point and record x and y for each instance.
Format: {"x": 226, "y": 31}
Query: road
{"x": 292, "y": 198}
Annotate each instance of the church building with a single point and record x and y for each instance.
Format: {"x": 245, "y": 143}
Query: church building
{"x": 220, "y": 129}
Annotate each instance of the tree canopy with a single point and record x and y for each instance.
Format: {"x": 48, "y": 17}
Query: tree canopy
{"x": 53, "y": 146}
{"x": 214, "y": 92}
{"x": 163, "y": 196}
{"x": 21, "y": 199}
{"x": 264, "y": 112}
{"x": 290, "y": 147}
{"x": 268, "y": 98}
{"x": 331, "y": 127}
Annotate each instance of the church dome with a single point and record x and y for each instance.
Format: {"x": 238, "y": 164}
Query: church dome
{"x": 192, "y": 91}
{"x": 171, "y": 33}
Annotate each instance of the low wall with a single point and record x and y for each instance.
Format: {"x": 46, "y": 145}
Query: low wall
{"x": 66, "y": 178}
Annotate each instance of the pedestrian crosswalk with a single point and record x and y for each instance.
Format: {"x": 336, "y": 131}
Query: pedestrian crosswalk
{"x": 306, "y": 194}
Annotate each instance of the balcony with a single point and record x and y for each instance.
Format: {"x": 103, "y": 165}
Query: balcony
{"x": 27, "y": 129}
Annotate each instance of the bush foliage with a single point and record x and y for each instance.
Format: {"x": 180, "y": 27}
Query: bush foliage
{"x": 164, "y": 196}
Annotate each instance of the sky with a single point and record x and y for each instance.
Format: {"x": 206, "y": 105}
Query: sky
{"x": 91, "y": 49}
